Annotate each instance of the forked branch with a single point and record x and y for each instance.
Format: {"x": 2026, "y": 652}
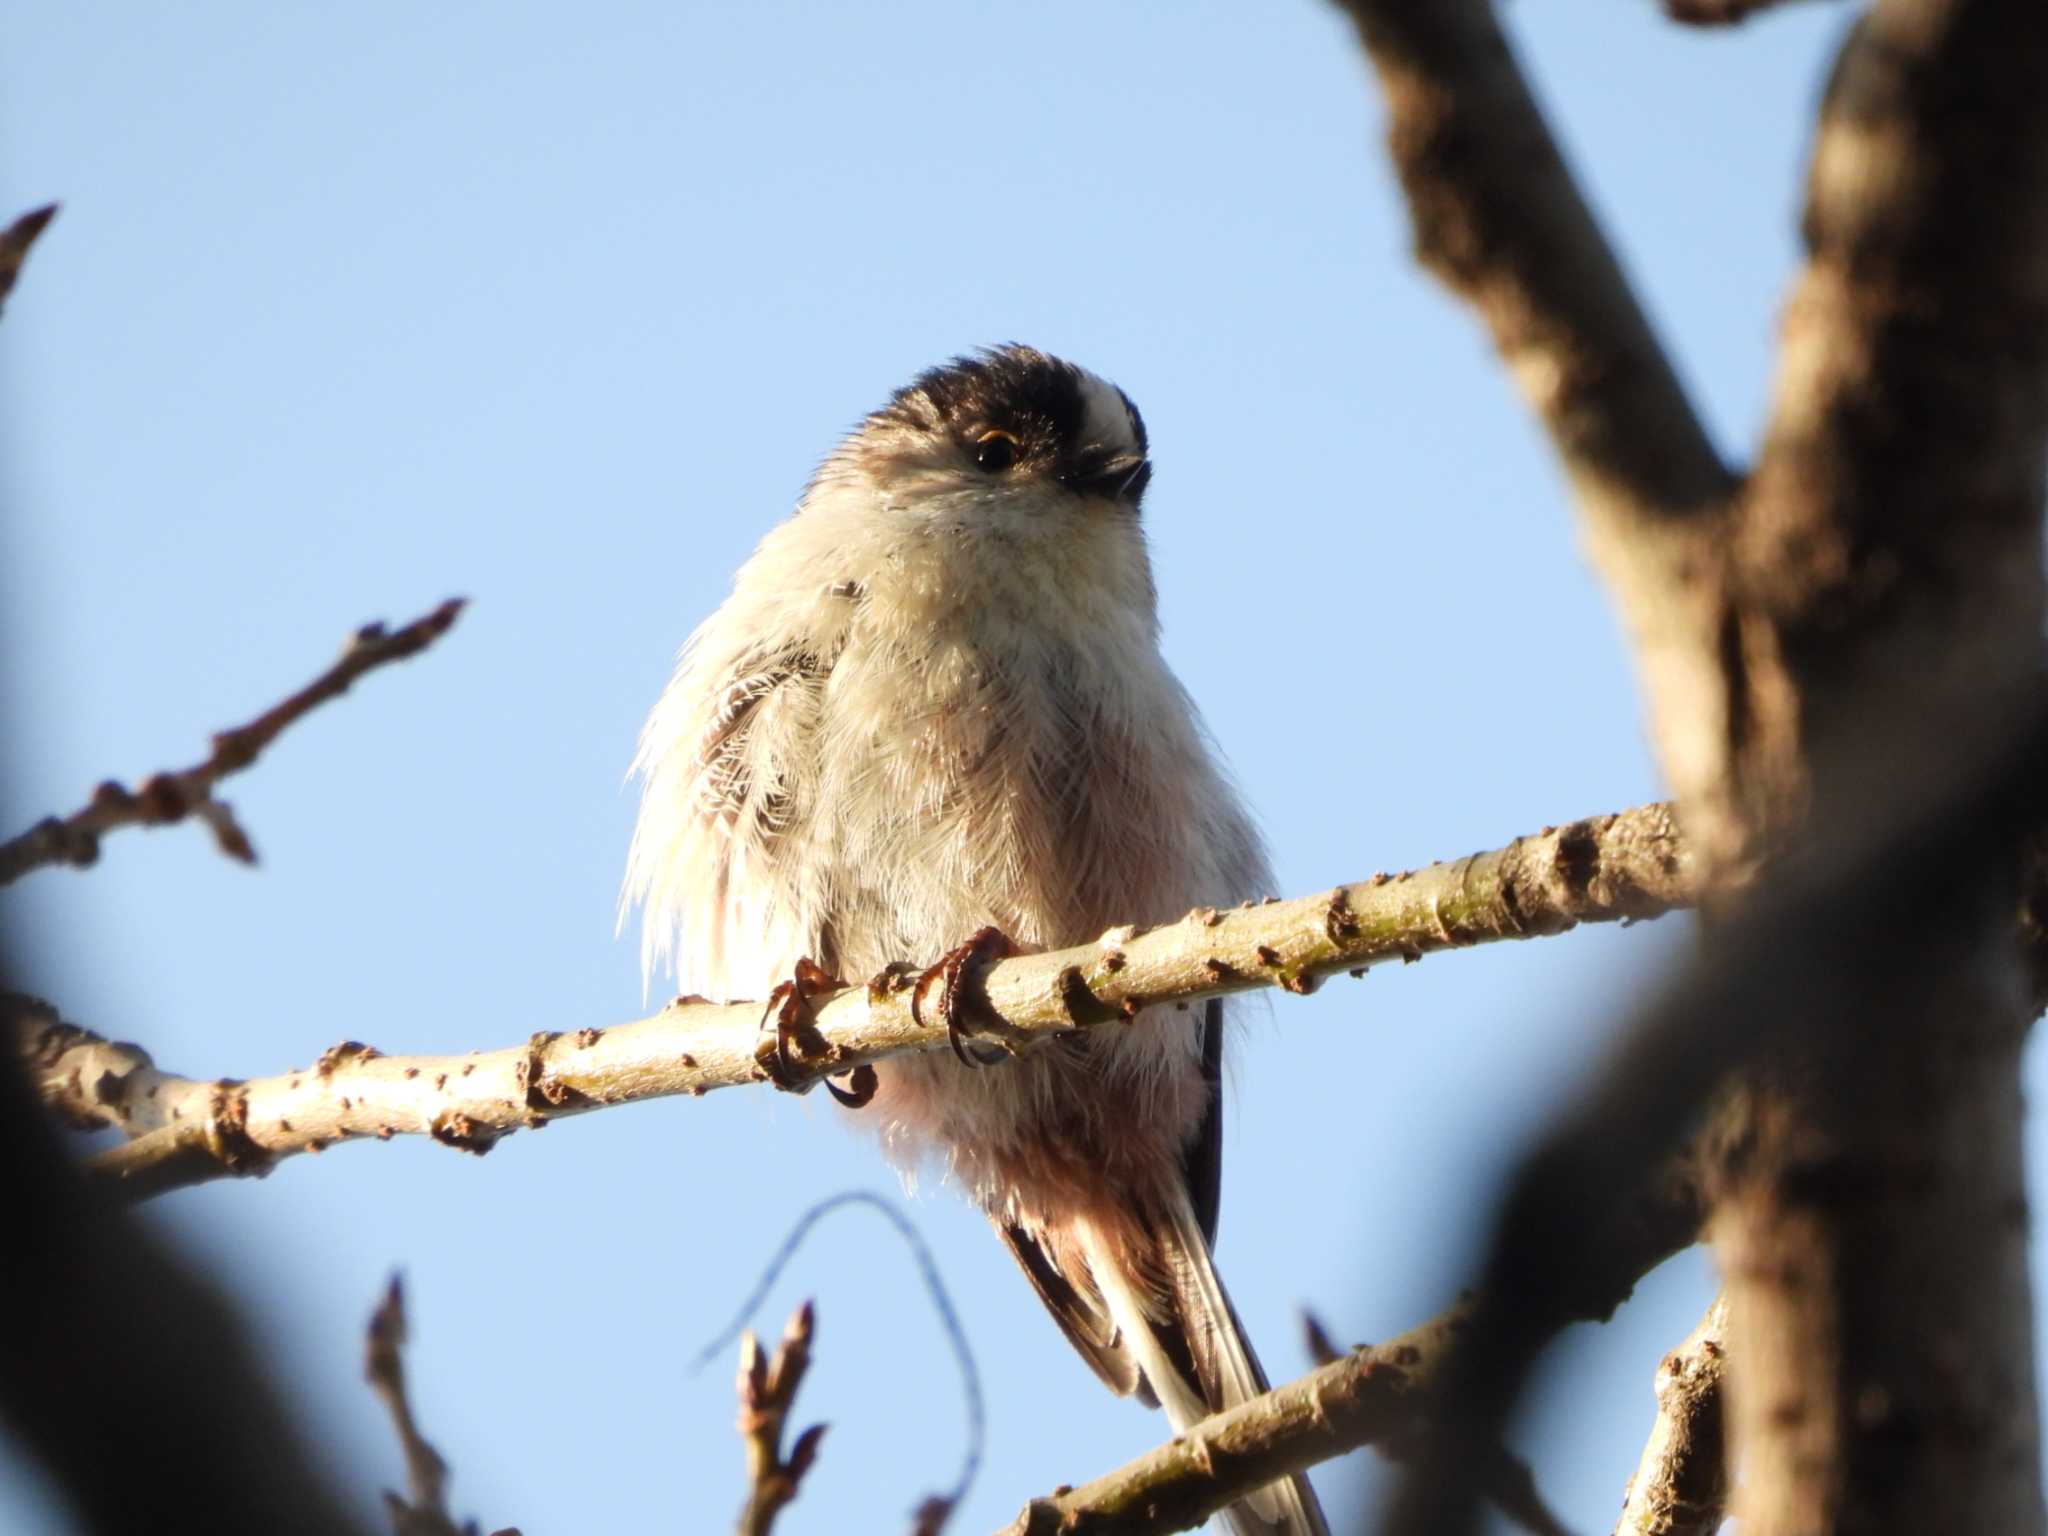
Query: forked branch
{"x": 767, "y": 1388}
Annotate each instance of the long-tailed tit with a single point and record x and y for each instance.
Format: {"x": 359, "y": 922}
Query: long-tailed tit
{"x": 935, "y": 703}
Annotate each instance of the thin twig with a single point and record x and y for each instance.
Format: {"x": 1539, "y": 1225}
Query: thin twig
{"x": 767, "y": 1387}
{"x": 1681, "y": 1484}
{"x": 425, "y": 1513}
{"x": 384, "y": 1368}
{"x": 184, "y": 1131}
{"x": 173, "y": 796}
{"x": 933, "y": 1513}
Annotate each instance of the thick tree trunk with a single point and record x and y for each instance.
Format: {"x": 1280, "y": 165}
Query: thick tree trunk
{"x": 1883, "y": 627}
{"x": 1827, "y": 648}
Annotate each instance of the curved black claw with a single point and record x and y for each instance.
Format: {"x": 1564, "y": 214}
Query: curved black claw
{"x": 789, "y": 1006}
{"x": 959, "y": 993}
{"x": 860, "y": 1087}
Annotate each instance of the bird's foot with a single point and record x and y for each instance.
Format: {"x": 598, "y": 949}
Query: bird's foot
{"x": 789, "y": 1011}
{"x": 979, "y": 1037}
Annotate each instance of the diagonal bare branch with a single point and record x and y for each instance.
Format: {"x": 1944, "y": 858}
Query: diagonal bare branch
{"x": 1500, "y": 220}
{"x": 1612, "y": 868}
{"x": 1384, "y": 1395}
{"x": 174, "y": 796}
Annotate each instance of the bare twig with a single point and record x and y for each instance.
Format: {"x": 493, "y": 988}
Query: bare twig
{"x": 1681, "y": 1484}
{"x": 1612, "y": 868}
{"x": 173, "y": 796}
{"x": 936, "y": 1509}
{"x": 767, "y": 1387}
{"x": 425, "y": 1513}
{"x": 384, "y": 1368}
{"x": 15, "y": 242}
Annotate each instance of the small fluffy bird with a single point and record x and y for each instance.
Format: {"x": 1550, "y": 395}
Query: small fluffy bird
{"x": 934, "y": 706}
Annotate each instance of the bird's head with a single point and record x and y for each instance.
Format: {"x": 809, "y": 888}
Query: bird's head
{"x": 1008, "y": 435}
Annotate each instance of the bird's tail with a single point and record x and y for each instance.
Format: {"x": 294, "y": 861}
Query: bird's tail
{"x": 1177, "y": 1321}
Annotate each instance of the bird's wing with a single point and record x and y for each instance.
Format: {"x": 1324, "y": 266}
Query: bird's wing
{"x": 722, "y": 758}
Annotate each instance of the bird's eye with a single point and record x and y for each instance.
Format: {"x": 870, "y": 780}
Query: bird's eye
{"x": 995, "y": 451}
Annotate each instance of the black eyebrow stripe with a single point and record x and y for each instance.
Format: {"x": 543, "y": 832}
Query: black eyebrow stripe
{"x": 1007, "y": 386}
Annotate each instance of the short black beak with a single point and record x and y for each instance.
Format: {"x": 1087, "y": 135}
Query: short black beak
{"x": 1119, "y": 476}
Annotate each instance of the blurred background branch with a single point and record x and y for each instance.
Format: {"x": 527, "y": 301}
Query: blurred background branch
{"x": 1680, "y": 1487}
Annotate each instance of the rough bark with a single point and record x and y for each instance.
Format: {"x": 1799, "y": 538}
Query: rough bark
{"x": 1861, "y": 614}
{"x": 1885, "y": 616}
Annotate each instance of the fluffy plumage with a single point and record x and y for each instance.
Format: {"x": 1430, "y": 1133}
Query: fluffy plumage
{"x": 935, "y": 700}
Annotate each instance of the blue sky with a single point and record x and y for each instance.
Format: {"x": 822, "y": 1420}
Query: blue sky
{"x": 353, "y": 308}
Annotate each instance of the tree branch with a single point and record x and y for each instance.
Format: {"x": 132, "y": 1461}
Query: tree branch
{"x": 184, "y": 1131}
{"x": 767, "y": 1388}
{"x": 1681, "y": 1484}
{"x": 1374, "y": 1394}
{"x": 1384, "y": 1395}
{"x": 173, "y": 796}
{"x": 1498, "y": 217}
